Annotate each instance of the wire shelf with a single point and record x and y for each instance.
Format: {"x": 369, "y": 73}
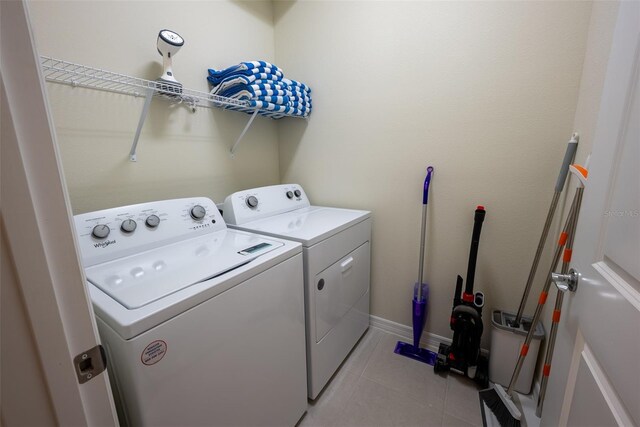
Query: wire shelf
{"x": 76, "y": 75}
{"x": 59, "y": 71}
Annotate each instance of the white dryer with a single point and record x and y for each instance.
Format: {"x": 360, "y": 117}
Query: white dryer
{"x": 202, "y": 325}
{"x": 336, "y": 248}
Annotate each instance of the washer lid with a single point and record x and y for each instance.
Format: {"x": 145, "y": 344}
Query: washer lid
{"x": 140, "y": 279}
{"x": 308, "y": 225}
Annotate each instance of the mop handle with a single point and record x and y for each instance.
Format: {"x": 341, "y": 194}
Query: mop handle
{"x": 577, "y": 199}
{"x": 425, "y": 199}
{"x": 569, "y": 154}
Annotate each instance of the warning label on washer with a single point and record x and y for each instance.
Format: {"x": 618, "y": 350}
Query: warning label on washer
{"x": 154, "y": 352}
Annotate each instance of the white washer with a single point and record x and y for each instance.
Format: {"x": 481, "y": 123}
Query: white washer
{"x": 202, "y": 325}
{"x": 336, "y": 248}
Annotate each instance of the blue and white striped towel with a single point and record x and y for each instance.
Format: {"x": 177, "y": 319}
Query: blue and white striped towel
{"x": 245, "y": 92}
{"x": 215, "y": 78}
{"x": 232, "y": 81}
{"x": 244, "y": 66}
{"x": 269, "y": 106}
{"x": 264, "y": 86}
{"x": 297, "y": 84}
{"x": 298, "y": 104}
{"x": 280, "y": 100}
{"x": 295, "y": 97}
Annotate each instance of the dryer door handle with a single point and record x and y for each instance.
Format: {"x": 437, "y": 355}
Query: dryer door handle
{"x": 346, "y": 264}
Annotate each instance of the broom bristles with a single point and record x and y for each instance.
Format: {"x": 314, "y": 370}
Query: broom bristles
{"x": 498, "y": 401}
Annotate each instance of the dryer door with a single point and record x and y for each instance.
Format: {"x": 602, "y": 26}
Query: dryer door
{"x": 339, "y": 287}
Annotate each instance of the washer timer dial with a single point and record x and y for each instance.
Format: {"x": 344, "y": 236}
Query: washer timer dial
{"x": 252, "y": 201}
{"x": 198, "y": 212}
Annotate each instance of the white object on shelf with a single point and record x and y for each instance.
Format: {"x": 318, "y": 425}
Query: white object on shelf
{"x": 59, "y": 71}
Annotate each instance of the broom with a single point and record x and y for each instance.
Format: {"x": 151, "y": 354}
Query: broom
{"x": 496, "y": 398}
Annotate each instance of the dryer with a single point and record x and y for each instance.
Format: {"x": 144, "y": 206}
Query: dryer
{"x": 336, "y": 249}
{"x": 202, "y": 325}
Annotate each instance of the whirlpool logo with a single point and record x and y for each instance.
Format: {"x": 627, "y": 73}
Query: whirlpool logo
{"x": 104, "y": 244}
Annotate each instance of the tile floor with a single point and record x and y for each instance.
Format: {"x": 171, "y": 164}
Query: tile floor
{"x": 376, "y": 387}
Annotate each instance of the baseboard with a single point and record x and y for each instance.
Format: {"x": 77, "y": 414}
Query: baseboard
{"x": 429, "y": 340}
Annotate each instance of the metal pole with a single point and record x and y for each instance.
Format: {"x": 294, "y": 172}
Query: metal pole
{"x": 546, "y": 370}
{"x": 422, "y": 244}
{"x": 544, "y": 293}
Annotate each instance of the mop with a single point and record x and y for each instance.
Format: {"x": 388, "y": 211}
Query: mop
{"x": 420, "y": 295}
{"x": 496, "y": 404}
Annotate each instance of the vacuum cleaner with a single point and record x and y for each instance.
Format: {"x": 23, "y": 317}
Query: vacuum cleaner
{"x": 463, "y": 355}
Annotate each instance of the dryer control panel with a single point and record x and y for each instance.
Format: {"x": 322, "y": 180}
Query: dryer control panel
{"x": 257, "y": 203}
{"x": 117, "y": 232}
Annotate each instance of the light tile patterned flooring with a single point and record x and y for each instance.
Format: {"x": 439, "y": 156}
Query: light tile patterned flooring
{"x": 376, "y": 387}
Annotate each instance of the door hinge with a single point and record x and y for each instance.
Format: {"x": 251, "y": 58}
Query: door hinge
{"x": 90, "y": 363}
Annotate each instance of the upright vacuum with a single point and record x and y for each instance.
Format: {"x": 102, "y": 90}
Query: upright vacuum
{"x": 463, "y": 355}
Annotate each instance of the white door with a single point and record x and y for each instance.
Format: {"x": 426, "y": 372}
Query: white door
{"x": 37, "y": 233}
{"x": 595, "y": 378}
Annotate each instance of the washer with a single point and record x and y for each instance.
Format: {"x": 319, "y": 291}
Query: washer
{"x": 202, "y": 325}
{"x": 336, "y": 248}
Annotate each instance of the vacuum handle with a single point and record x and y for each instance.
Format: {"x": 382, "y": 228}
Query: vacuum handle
{"x": 456, "y": 297}
{"x": 569, "y": 155}
{"x": 473, "y": 253}
{"x": 427, "y": 181}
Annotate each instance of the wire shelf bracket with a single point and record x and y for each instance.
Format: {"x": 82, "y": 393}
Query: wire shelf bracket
{"x": 76, "y": 75}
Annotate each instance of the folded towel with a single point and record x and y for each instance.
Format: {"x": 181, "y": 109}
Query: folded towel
{"x": 245, "y": 92}
{"x": 295, "y": 97}
{"x": 264, "y": 86}
{"x": 298, "y": 104}
{"x": 296, "y": 84}
{"x": 280, "y": 100}
{"x": 243, "y": 66}
{"x": 215, "y": 78}
{"x": 279, "y": 108}
{"x": 270, "y": 106}
{"x": 238, "y": 69}
{"x": 234, "y": 80}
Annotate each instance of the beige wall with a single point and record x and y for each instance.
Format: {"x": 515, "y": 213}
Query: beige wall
{"x": 484, "y": 91}
{"x": 180, "y": 154}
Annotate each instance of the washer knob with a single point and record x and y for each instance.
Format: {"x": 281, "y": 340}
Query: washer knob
{"x": 128, "y": 225}
{"x": 289, "y": 195}
{"x": 100, "y": 231}
{"x": 152, "y": 221}
{"x": 297, "y": 193}
{"x": 198, "y": 212}
{"x": 252, "y": 201}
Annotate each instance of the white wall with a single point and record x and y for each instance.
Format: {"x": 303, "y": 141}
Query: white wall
{"x": 180, "y": 154}
{"x": 484, "y": 91}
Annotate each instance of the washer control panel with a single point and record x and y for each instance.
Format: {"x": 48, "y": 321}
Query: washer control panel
{"x": 257, "y": 203}
{"x": 113, "y": 233}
